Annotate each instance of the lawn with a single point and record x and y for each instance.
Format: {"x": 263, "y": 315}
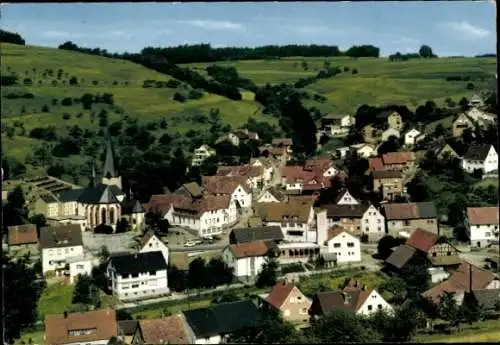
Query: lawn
{"x": 487, "y": 182}
{"x": 486, "y": 331}
{"x": 36, "y": 335}
{"x": 55, "y": 299}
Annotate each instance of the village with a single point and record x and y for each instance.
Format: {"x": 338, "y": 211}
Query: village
{"x": 274, "y": 223}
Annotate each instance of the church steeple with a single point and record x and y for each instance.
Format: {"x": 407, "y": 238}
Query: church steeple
{"x": 110, "y": 175}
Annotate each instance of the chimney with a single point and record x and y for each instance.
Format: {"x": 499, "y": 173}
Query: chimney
{"x": 65, "y": 314}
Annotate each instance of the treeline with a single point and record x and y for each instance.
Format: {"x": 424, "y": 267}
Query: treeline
{"x": 11, "y": 37}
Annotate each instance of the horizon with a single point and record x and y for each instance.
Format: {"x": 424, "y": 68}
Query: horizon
{"x": 450, "y": 28}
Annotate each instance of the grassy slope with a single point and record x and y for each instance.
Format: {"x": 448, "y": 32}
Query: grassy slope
{"x": 145, "y": 104}
{"x": 379, "y": 81}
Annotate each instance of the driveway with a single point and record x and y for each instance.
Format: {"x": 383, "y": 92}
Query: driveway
{"x": 114, "y": 242}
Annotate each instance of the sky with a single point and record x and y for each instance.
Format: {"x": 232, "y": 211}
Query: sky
{"x": 451, "y": 28}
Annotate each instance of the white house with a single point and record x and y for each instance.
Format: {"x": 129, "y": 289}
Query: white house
{"x": 373, "y": 223}
{"x": 480, "y": 116}
{"x": 346, "y": 246}
{"x": 81, "y": 265}
{"x": 374, "y": 302}
{"x": 482, "y": 225}
{"x": 337, "y": 124}
{"x": 481, "y": 157}
{"x": 270, "y": 195}
{"x": 364, "y": 150}
{"x": 138, "y": 276}
{"x": 390, "y": 132}
{"x": 413, "y": 136}
{"x": 345, "y": 198}
{"x": 246, "y": 259}
{"x": 58, "y": 245}
{"x": 202, "y": 153}
{"x": 476, "y": 101}
{"x": 151, "y": 243}
{"x": 342, "y": 151}
{"x": 266, "y": 164}
{"x": 234, "y": 186}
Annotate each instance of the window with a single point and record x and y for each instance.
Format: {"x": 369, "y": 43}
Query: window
{"x": 350, "y": 244}
{"x": 135, "y": 286}
{"x": 366, "y": 220}
{"x": 370, "y": 307}
{"x": 152, "y": 273}
{"x": 135, "y": 275}
{"x": 434, "y": 254}
{"x": 367, "y": 228}
{"x": 79, "y": 267}
{"x": 336, "y": 245}
{"x": 487, "y": 234}
{"x": 406, "y": 222}
{"x": 379, "y": 306}
{"x": 378, "y": 221}
{"x": 448, "y": 253}
{"x": 150, "y": 245}
{"x": 430, "y": 221}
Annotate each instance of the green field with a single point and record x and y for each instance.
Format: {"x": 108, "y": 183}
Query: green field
{"x": 485, "y": 331}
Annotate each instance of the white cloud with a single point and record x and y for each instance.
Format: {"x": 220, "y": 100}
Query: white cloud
{"x": 464, "y": 30}
{"x": 213, "y": 24}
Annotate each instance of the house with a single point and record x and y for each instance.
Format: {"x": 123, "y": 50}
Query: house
{"x": 134, "y": 213}
{"x": 482, "y": 118}
{"x": 138, "y": 276}
{"x": 444, "y": 152}
{"x": 390, "y": 132}
{"x": 280, "y": 154}
{"x": 81, "y": 265}
{"x": 398, "y": 160}
{"x": 410, "y": 216}
{"x": 465, "y": 279}
{"x": 235, "y": 186}
{"x": 413, "y": 136}
{"x": 254, "y": 175}
{"x": 294, "y": 177}
{"x": 437, "y": 249}
{"x": 357, "y": 219}
{"x": 213, "y": 324}
{"x": 321, "y": 167}
{"x": 335, "y": 125}
{"x": 166, "y": 330}
{"x": 481, "y": 225}
{"x": 480, "y": 157}
{"x": 364, "y": 150}
{"x": 461, "y": 123}
{"x": 341, "y": 152}
{"x": 267, "y": 164}
{"x": 476, "y": 101}
{"x": 370, "y": 134}
{"x": 360, "y": 301}
{"x": 57, "y": 245}
{"x": 94, "y": 327}
{"x": 289, "y": 301}
{"x": 191, "y": 190}
{"x": 295, "y": 252}
{"x": 264, "y": 233}
{"x": 127, "y": 329}
{"x": 392, "y": 119}
{"x": 202, "y": 153}
{"x": 345, "y": 198}
{"x": 245, "y": 135}
{"x": 152, "y": 243}
{"x": 23, "y": 239}
{"x": 271, "y": 194}
{"x": 295, "y": 219}
{"x": 389, "y": 183}
{"x": 287, "y": 143}
{"x": 487, "y": 299}
{"x": 346, "y": 246}
{"x": 247, "y": 258}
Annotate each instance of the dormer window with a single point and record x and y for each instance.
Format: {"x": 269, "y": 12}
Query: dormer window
{"x": 81, "y": 332}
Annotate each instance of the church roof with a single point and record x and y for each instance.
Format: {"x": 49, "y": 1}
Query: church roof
{"x": 110, "y": 169}
{"x": 100, "y": 194}
{"x": 132, "y": 206}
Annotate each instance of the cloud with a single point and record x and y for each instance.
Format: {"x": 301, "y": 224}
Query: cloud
{"x": 213, "y": 24}
{"x": 464, "y": 30}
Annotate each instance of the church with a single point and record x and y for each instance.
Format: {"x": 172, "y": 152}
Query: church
{"x": 102, "y": 203}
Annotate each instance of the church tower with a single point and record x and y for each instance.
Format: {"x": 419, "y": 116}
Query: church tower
{"x": 110, "y": 175}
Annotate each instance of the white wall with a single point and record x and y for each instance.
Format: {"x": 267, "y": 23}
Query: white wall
{"x": 154, "y": 244}
{"x": 55, "y": 254}
{"x": 374, "y": 300}
{"x": 366, "y": 151}
{"x": 344, "y": 252}
{"x": 145, "y": 285}
{"x": 372, "y": 221}
{"x": 242, "y": 266}
{"x": 491, "y": 161}
{"x": 83, "y": 267}
{"x": 216, "y": 339}
{"x": 267, "y": 197}
{"x": 308, "y": 233}
{"x": 347, "y": 199}
{"x": 244, "y": 198}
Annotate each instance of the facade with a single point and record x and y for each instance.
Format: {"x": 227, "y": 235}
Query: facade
{"x": 335, "y": 125}
{"x": 346, "y": 246}
{"x": 461, "y": 123}
{"x": 134, "y": 213}
{"x": 394, "y": 120}
{"x": 480, "y": 157}
{"x": 481, "y": 225}
{"x": 365, "y": 151}
{"x": 295, "y": 252}
{"x": 402, "y": 161}
{"x": 357, "y": 219}
{"x": 202, "y": 153}
{"x": 254, "y": 175}
{"x": 346, "y": 198}
{"x": 81, "y": 265}
{"x": 267, "y": 165}
{"x": 413, "y": 136}
{"x": 388, "y": 183}
{"x": 151, "y": 243}
{"x": 95, "y": 327}
{"x": 390, "y": 132}
{"x": 22, "y": 240}
{"x": 290, "y": 302}
{"x": 246, "y": 259}
{"x": 271, "y": 195}
{"x": 58, "y": 245}
{"x": 138, "y": 276}
{"x": 410, "y": 216}
{"x": 235, "y": 186}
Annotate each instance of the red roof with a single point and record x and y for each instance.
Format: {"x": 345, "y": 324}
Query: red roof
{"x": 482, "y": 215}
{"x": 375, "y": 164}
{"x": 22, "y": 234}
{"x": 279, "y": 294}
{"x": 422, "y": 240}
{"x": 397, "y": 157}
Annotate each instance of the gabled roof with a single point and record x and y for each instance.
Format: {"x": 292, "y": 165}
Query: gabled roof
{"x": 397, "y": 157}
{"x": 250, "y": 249}
{"x": 243, "y": 235}
{"x": 139, "y": 263}
{"x": 22, "y": 234}
{"x": 68, "y": 235}
{"x": 400, "y": 256}
{"x": 163, "y": 202}
{"x": 279, "y": 294}
{"x": 247, "y": 171}
{"x": 350, "y": 300}
{"x": 334, "y": 231}
{"x": 127, "y": 327}
{"x": 132, "y": 206}
{"x": 224, "y": 184}
{"x": 100, "y": 194}
{"x": 482, "y": 215}
{"x": 422, "y": 240}
{"x": 222, "y": 318}
{"x": 147, "y": 236}
{"x": 48, "y": 198}
{"x": 276, "y": 193}
{"x": 487, "y": 297}
{"x": 70, "y": 195}
{"x": 352, "y": 211}
{"x": 279, "y": 212}
{"x": 282, "y": 141}
{"x": 477, "y": 152}
{"x": 167, "y": 330}
{"x": 342, "y": 193}
{"x": 375, "y": 163}
{"x": 411, "y": 210}
{"x": 110, "y": 169}
{"x": 57, "y": 327}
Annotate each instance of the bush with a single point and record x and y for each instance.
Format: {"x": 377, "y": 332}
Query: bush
{"x": 173, "y": 84}
{"x": 95, "y": 82}
{"x": 115, "y": 83}
{"x": 73, "y": 81}
{"x": 54, "y": 82}
{"x": 54, "y": 101}
{"x": 79, "y": 115}
{"x": 66, "y": 116}
{"x": 179, "y": 97}
{"x": 45, "y": 108}
{"x": 195, "y": 94}
{"x": 27, "y": 81}
{"x": 354, "y": 71}
{"x": 67, "y": 102}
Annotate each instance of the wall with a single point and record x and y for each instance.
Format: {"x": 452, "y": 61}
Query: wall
{"x": 478, "y": 233}
{"x": 373, "y": 222}
{"x": 491, "y": 161}
{"x": 154, "y": 244}
{"x": 80, "y": 267}
{"x": 267, "y": 197}
{"x": 352, "y": 225}
{"x": 55, "y": 254}
{"x": 345, "y": 253}
{"x": 395, "y": 226}
{"x": 244, "y": 198}
{"x": 296, "y": 306}
{"x": 244, "y": 266}
{"x": 147, "y": 285}
{"x": 374, "y": 300}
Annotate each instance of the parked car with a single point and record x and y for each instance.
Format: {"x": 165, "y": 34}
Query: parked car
{"x": 190, "y": 244}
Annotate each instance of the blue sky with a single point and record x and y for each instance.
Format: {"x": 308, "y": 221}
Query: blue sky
{"x": 449, "y": 27}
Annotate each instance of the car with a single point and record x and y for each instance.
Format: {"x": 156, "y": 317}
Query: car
{"x": 189, "y": 244}
{"x": 196, "y": 242}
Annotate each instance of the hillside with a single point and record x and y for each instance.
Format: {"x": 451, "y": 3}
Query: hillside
{"x": 378, "y": 81}
{"x": 98, "y": 75}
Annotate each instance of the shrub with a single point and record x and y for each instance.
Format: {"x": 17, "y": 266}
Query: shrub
{"x": 173, "y": 84}
{"x": 179, "y": 98}
{"x": 79, "y": 115}
{"x": 115, "y": 83}
{"x": 354, "y": 71}
{"x": 27, "y": 81}
{"x": 73, "y": 81}
{"x": 54, "y": 82}
{"x": 67, "y": 102}
{"x": 195, "y": 94}
{"x": 95, "y": 82}
{"x": 54, "y": 101}
{"x": 45, "y": 108}
{"x": 470, "y": 86}
{"x": 66, "y": 116}
{"x": 39, "y": 82}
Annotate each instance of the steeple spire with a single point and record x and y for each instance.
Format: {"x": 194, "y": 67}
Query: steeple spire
{"x": 109, "y": 164}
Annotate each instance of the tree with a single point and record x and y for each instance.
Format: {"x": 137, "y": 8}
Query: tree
{"x": 103, "y": 254}
{"x": 103, "y": 229}
{"x": 22, "y": 290}
{"x": 417, "y": 188}
{"x": 179, "y": 97}
{"x": 15, "y": 211}
{"x": 397, "y": 287}
{"x": 73, "y": 81}
{"x": 115, "y": 341}
{"x": 218, "y": 273}
{"x": 448, "y": 308}
{"x": 470, "y": 309}
{"x": 228, "y": 296}
{"x": 416, "y": 276}
{"x": 45, "y": 108}
{"x": 123, "y": 226}
{"x": 425, "y": 51}
{"x": 39, "y": 220}
{"x": 86, "y": 292}
{"x": 390, "y": 145}
{"x": 197, "y": 274}
{"x": 269, "y": 273}
{"x": 384, "y": 246}
{"x": 177, "y": 279}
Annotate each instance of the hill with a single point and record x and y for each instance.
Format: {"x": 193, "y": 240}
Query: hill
{"x": 378, "y": 81}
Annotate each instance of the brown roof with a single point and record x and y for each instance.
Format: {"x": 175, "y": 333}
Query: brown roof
{"x": 162, "y": 202}
{"x": 319, "y": 164}
{"x": 273, "y": 151}
{"x": 279, "y": 212}
{"x": 401, "y": 211}
{"x": 350, "y": 300}
{"x": 223, "y": 184}
{"x": 279, "y": 294}
{"x": 240, "y": 170}
{"x": 375, "y": 163}
{"x": 383, "y": 174}
{"x": 335, "y": 231}
{"x": 167, "y": 330}
{"x": 400, "y": 256}
{"x": 194, "y": 189}
{"x": 460, "y": 281}
{"x": 22, "y": 234}
{"x": 249, "y": 249}
{"x": 147, "y": 236}
{"x": 482, "y": 215}
{"x": 397, "y": 157}
{"x": 265, "y": 161}
{"x": 297, "y": 173}
{"x": 422, "y": 240}
{"x": 103, "y": 322}
{"x": 282, "y": 141}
